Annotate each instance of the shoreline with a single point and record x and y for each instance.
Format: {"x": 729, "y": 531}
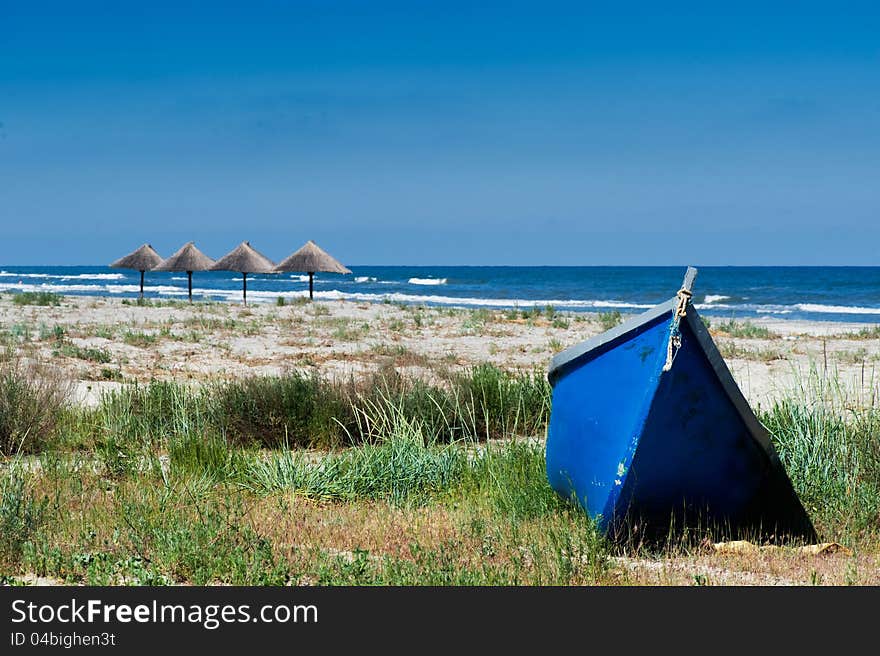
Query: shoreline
{"x": 792, "y": 293}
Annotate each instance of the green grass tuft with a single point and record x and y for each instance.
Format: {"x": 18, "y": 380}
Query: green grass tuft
{"x": 831, "y": 452}
{"x": 745, "y": 329}
{"x": 37, "y": 298}
{"x": 609, "y": 320}
{"x": 21, "y": 515}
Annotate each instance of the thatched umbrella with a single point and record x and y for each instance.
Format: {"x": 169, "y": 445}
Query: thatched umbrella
{"x": 244, "y": 259}
{"x": 143, "y": 259}
{"x": 189, "y": 259}
{"x": 311, "y": 259}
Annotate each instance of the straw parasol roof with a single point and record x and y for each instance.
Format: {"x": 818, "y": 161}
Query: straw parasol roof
{"x": 143, "y": 259}
{"x": 189, "y": 259}
{"x": 310, "y": 259}
{"x": 244, "y": 259}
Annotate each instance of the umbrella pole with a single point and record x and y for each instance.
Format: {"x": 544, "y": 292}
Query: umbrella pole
{"x": 189, "y": 276}
{"x": 142, "y": 284}
{"x": 311, "y": 285}
{"x": 244, "y": 286}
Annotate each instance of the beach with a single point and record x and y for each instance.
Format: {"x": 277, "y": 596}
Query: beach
{"x": 165, "y": 462}
{"x": 107, "y": 342}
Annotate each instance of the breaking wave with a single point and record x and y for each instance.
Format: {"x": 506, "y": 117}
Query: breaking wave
{"x": 467, "y": 289}
{"x": 836, "y": 309}
{"x": 56, "y": 276}
{"x": 427, "y": 281}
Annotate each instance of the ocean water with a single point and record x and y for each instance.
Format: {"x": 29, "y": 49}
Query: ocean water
{"x": 815, "y": 293}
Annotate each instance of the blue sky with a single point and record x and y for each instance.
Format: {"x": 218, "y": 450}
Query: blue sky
{"x": 437, "y": 133}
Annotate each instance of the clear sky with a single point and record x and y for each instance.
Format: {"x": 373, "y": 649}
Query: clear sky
{"x": 439, "y": 133}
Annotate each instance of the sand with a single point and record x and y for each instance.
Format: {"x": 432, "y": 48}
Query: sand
{"x": 210, "y": 341}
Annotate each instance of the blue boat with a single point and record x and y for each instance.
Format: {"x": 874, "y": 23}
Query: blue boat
{"x": 650, "y": 433}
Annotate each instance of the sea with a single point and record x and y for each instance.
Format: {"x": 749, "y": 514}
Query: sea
{"x": 849, "y": 294}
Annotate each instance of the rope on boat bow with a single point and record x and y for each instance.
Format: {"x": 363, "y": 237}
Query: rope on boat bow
{"x": 684, "y": 297}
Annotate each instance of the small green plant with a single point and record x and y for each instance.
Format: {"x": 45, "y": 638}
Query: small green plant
{"x": 745, "y": 329}
{"x": 157, "y": 302}
{"x": 20, "y": 332}
{"x": 475, "y": 323}
{"x": 731, "y": 350}
{"x": 873, "y": 332}
{"x": 609, "y": 320}
{"x": 203, "y": 455}
{"x": 280, "y": 302}
{"x": 71, "y": 350}
{"x": 109, "y": 373}
{"x": 346, "y": 332}
{"x": 855, "y": 356}
{"x": 139, "y": 338}
{"x": 56, "y": 333}
{"x": 533, "y": 313}
{"x": 37, "y": 298}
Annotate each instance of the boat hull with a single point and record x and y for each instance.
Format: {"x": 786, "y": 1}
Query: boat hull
{"x": 646, "y": 451}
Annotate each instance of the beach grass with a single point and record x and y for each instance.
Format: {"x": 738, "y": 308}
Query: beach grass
{"x": 609, "y": 320}
{"x": 33, "y": 400}
{"x": 828, "y": 440}
{"x": 302, "y": 410}
{"x": 744, "y": 330}
{"x": 37, "y": 298}
{"x": 731, "y": 350}
{"x": 90, "y": 354}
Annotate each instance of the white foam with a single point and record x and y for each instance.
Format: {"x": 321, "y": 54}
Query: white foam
{"x": 836, "y": 309}
{"x": 336, "y": 294}
{"x": 95, "y": 276}
{"x": 427, "y": 281}
{"x": 79, "y": 276}
{"x": 300, "y": 278}
{"x": 77, "y": 284}
{"x": 712, "y": 306}
{"x": 93, "y": 289}
{"x": 714, "y": 298}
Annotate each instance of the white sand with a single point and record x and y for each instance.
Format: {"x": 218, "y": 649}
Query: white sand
{"x": 210, "y": 341}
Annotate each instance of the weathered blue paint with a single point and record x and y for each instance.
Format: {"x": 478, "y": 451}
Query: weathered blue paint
{"x": 642, "y": 450}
